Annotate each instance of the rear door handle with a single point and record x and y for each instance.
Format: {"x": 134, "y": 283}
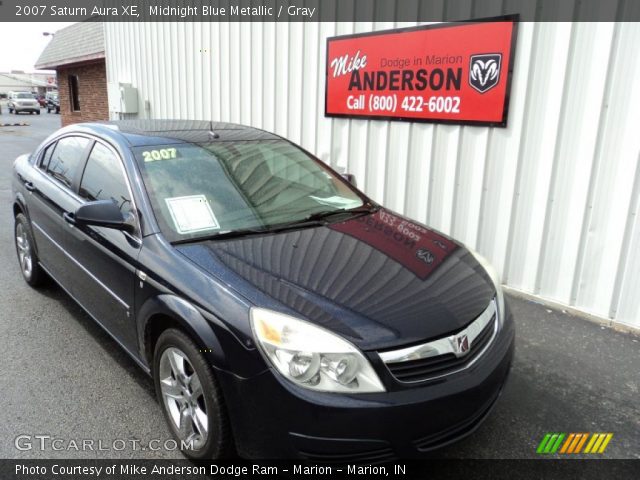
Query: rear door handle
{"x": 29, "y": 186}
{"x": 69, "y": 218}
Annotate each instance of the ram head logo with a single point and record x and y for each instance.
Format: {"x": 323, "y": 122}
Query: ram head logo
{"x": 484, "y": 71}
{"x": 425, "y": 255}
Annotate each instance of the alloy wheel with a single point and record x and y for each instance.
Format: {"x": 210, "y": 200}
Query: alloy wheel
{"x": 183, "y": 397}
{"x": 24, "y": 250}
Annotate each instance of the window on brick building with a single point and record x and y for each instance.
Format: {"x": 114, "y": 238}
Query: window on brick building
{"x": 74, "y": 95}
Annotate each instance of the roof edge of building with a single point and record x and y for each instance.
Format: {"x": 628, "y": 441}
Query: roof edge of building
{"x": 70, "y": 61}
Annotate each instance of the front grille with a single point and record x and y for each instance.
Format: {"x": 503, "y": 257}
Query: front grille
{"x": 439, "y": 358}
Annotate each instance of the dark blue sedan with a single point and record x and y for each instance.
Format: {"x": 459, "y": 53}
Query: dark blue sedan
{"x": 280, "y": 311}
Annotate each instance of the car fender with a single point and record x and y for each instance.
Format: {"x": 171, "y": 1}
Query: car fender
{"x": 19, "y": 176}
{"x": 189, "y": 318}
{"x": 21, "y": 202}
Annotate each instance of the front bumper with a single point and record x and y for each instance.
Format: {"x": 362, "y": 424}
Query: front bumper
{"x": 272, "y": 418}
{"x": 26, "y": 109}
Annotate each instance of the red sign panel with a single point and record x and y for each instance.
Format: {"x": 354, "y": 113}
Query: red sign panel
{"x": 447, "y": 73}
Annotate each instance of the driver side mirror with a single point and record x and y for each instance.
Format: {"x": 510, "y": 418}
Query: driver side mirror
{"x": 351, "y": 178}
{"x": 104, "y": 213}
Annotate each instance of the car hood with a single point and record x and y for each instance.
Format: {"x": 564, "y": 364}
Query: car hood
{"x": 379, "y": 280}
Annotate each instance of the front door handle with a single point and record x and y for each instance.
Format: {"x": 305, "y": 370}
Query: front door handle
{"x": 29, "y": 186}
{"x": 69, "y": 218}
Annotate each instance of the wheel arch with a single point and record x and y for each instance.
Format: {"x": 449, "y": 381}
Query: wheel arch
{"x": 20, "y": 206}
{"x": 170, "y": 311}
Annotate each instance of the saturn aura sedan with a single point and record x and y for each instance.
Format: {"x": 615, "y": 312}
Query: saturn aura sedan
{"x": 279, "y": 310}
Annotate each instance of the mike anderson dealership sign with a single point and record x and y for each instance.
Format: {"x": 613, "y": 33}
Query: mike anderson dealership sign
{"x": 447, "y": 73}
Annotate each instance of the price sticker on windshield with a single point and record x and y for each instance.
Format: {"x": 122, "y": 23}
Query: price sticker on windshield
{"x": 192, "y": 214}
{"x": 160, "y": 154}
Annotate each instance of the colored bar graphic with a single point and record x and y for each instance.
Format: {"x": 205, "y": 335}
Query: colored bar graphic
{"x": 590, "y": 444}
{"x": 543, "y": 443}
{"x": 555, "y": 447}
{"x": 584, "y": 439}
{"x": 596, "y": 445}
{"x": 568, "y": 442}
{"x": 605, "y": 442}
{"x": 576, "y": 439}
{"x": 551, "y": 443}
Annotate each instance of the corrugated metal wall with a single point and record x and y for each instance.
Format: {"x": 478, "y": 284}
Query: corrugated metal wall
{"x": 552, "y": 200}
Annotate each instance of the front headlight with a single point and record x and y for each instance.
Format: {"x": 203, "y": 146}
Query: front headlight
{"x": 311, "y": 356}
{"x": 495, "y": 278}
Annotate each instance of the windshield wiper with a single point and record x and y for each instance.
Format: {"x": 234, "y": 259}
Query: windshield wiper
{"x": 342, "y": 212}
{"x": 325, "y": 217}
{"x": 312, "y": 220}
{"x": 245, "y": 232}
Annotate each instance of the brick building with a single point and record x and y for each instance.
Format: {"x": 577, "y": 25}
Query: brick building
{"x": 77, "y": 54}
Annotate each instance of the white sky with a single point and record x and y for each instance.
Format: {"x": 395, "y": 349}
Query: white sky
{"x": 22, "y": 43}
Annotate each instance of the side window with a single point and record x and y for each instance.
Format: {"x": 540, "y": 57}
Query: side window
{"x": 66, "y": 159}
{"x": 103, "y": 178}
{"x": 46, "y": 157}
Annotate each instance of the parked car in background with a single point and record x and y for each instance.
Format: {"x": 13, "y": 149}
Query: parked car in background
{"x": 42, "y": 101}
{"x": 279, "y": 310}
{"x": 22, "y": 102}
{"x": 53, "y": 103}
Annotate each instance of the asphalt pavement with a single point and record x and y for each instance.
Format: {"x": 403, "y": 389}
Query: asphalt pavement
{"x": 63, "y": 377}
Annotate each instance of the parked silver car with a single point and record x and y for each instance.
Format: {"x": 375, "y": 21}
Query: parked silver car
{"x": 23, "y": 102}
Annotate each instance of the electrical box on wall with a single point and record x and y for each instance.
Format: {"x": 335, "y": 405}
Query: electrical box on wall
{"x": 123, "y": 98}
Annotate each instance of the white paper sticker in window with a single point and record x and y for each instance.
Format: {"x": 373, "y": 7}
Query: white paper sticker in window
{"x": 338, "y": 202}
{"x": 192, "y": 214}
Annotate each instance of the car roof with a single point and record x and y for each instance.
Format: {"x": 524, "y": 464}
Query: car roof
{"x": 157, "y": 132}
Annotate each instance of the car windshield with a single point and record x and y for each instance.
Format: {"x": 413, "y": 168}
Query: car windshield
{"x": 24, "y": 95}
{"x": 215, "y": 189}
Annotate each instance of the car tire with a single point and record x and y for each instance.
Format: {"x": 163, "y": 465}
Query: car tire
{"x": 206, "y": 406}
{"x": 31, "y": 270}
